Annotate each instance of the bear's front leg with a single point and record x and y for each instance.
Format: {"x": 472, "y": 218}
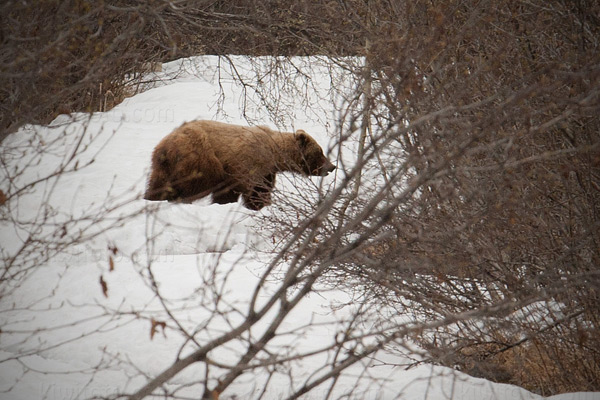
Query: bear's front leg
{"x": 256, "y": 200}
{"x": 260, "y": 195}
{"x": 226, "y": 192}
{"x": 226, "y": 197}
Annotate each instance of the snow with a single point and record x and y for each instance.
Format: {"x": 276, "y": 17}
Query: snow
{"x": 77, "y": 343}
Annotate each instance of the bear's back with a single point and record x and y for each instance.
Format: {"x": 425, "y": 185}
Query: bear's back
{"x": 241, "y": 149}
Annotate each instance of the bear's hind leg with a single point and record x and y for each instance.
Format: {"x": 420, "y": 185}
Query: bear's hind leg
{"x": 199, "y": 176}
{"x": 158, "y": 187}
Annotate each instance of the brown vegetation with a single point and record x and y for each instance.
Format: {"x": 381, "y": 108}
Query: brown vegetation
{"x": 473, "y": 206}
{"x": 67, "y": 56}
{"x": 483, "y": 129}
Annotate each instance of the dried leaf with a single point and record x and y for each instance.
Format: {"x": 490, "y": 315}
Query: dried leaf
{"x": 155, "y": 325}
{"x": 3, "y": 198}
{"x": 104, "y": 286}
{"x": 111, "y": 264}
{"x": 113, "y": 249}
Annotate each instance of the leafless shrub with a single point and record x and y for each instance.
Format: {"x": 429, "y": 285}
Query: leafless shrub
{"x": 81, "y": 56}
{"x": 484, "y": 144}
{"x": 467, "y": 222}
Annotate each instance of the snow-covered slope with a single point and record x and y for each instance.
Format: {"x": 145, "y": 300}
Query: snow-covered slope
{"x": 74, "y": 341}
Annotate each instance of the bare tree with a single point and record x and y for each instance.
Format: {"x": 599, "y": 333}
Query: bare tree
{"x": 467, "y": 224}
{"x": 487, "y": 128}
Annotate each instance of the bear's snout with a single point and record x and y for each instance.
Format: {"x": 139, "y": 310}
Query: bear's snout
{"x": 327, "y": 168}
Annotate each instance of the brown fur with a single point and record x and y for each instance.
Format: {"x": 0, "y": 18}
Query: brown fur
{"x": 204, "y": 157}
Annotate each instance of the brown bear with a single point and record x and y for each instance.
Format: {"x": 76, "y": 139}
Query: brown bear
{"x": 207, "y": 157}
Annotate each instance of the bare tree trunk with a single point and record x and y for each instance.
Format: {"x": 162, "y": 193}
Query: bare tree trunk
{"x": 365, "y": 124}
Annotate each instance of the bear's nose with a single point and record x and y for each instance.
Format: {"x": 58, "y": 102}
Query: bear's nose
{"x": 328, "y": 167}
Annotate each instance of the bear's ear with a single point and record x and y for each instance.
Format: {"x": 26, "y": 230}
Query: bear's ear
{"x": 301, "y": 137}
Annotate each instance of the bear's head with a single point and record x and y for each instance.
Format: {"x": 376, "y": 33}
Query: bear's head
{"x": 313, "y": 161}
